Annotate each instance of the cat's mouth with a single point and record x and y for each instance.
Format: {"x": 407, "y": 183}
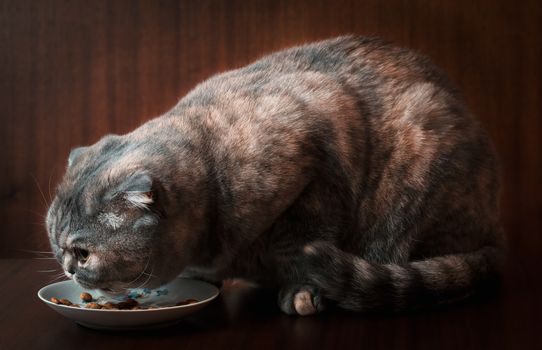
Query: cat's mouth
{"x": 105, "y": 289}
{"x": 113, "y": 288}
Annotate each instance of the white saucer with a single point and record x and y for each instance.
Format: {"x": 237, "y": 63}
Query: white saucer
{"x": 178, "y": 290}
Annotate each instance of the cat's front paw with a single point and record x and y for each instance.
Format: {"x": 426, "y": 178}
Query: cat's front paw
{"x": 301, "y": 300}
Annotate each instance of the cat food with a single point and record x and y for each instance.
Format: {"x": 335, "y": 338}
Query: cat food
{"x": 86, "y": 297}
{"x": 93, "y": 306}
{"x": 110, "y": 305}
{"x": 128, "y": 304}
{"x": 65, "y": 302}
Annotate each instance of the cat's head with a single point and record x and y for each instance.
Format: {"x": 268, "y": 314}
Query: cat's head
{"x": 114, "y": 224}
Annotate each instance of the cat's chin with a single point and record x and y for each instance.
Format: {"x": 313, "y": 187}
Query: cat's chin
{"x": 81, "y": 283}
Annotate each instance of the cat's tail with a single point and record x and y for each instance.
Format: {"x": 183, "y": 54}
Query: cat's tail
{"x": 356, "y": 284}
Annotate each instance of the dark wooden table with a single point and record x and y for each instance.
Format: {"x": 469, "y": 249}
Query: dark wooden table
{"x": 247, "y": 318}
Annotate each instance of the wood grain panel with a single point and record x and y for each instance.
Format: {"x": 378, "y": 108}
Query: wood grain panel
{"x": 73, "y": 71}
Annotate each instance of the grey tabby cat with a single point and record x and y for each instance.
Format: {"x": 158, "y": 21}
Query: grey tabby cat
{"x": 347, "y": 172}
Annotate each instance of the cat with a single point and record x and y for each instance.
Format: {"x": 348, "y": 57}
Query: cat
{"x": 347, "y": 172}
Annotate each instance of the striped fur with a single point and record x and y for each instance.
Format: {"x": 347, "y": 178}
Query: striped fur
{"x": 356, "y": 284}
{"x": 346, "y": 172}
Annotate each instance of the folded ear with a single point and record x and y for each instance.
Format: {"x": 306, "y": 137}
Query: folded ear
{"x": 137, "y": 190}
{"x": 74, "y": 154}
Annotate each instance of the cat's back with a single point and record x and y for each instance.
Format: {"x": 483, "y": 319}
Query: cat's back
{"x": 373, "y": 72}
{"x": 345, "y": 57}
{"x": 379, "y": 106}
{"x": 354, "y": 92}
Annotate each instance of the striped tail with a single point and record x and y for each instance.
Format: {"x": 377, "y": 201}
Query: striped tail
{"x": 356, "y": 284}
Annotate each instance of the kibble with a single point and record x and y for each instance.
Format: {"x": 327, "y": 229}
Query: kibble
{"x": 110, "y": 305}
{"x": 65, "y": 302}
{"x": 93, "y": 306}
{"x": 86, "y": 297}
{"x": 127, "y": 304}
{"x": 55, "y": 300}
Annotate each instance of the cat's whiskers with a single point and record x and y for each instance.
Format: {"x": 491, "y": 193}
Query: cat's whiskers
{"x": 39, "y": 188}
{"x": 37, "y": 223}
{"x": 49, "y": 188}
{"x": 35, "y": 251}
{"x": 44, "y": 217}
{"x": 39, "y": 255}
{"x": 149, "y": 274}
{"x": 58, "y": 277}
{"x": 47, "y": 271}
{"x": 147, "y": 280}
{"x": 141, "y": 274}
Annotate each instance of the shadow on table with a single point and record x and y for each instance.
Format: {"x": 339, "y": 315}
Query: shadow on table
{"x": 242, "y": 306}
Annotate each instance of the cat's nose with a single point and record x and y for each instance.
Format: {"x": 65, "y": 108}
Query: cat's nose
{"x": 68, "y": 265}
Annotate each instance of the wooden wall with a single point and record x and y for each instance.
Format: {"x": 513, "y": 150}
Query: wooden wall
{"x": 73, "y": 71}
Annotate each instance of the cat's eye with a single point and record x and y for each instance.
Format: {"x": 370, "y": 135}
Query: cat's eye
{"x": 81, "y": 255}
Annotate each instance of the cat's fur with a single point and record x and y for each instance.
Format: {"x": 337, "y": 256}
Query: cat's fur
{"x": 346, "y": 172}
